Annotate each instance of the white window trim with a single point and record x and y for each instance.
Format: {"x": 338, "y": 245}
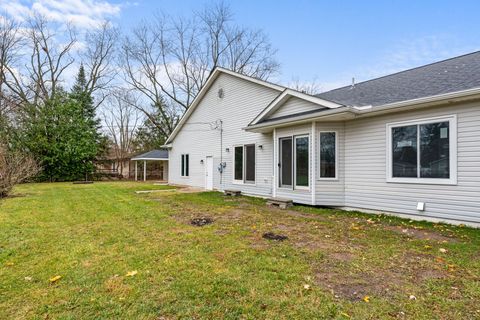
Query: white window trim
{"x": 294, "y": 163}
{"x": 244, "y": 168}
{"x": 184, "y": 167}
{"x": 280, "y": 186}
{"x": 319, "y": 177}
{"x": 452, "y": 119}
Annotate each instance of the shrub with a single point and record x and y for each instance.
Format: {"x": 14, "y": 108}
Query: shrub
{"x": 15, "y": 167}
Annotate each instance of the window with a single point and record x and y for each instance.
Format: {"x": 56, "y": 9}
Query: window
{"x": 294, "y": 162}
{"x": 328, "y": 155}
{"x": 239, "y": 163}
{"x": 244, "y": 164}
{"x": 286, "y": 162}
{"x": 301, "y": 161}
{"x": 423, "y": 151}
{"x": 250, "y": 163}
{"x": 185, "y": 165}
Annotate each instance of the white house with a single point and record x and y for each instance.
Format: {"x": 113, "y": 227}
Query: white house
{"x": 407, "y": 143}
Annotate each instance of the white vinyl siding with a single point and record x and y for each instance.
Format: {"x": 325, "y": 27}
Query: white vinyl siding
{"x": 243, "y": 101}
{"x": 366, "y": 171}
{"x": 292, "y": 106}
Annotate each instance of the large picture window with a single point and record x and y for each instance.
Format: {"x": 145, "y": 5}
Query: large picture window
{"x": 185, "y": 165}
{"x": 423, "y": 151}
{"x": 294, "y": 162}
{"x": 244, "y": 164}
{"x": 328, "y": 155}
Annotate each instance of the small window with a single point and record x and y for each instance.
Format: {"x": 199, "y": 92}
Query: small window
{"x": 423, "y": 151}
{"x": 244, "y": 164}
{"x": 238, "y": 163}
{"x": 328, "y": 155}
{"x": 185, "y": 165}
{"x": 250, "y": 163}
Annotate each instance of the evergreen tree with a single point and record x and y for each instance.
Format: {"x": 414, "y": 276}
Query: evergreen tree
{"x": 148, "y": 137}
{"x": 81, "y": 94}
{"x": 61, "y": 138}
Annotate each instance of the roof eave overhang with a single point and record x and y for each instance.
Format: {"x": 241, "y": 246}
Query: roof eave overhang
{"x": 287, "y": 94}
{"x": 211, "y": 79}
{"x": 350, "y": 113}
{"x": 149, "y": 159}
{"x": 339, "y": 114}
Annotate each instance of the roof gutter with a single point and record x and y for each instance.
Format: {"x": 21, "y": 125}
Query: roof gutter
{"x": 353, "y": 112}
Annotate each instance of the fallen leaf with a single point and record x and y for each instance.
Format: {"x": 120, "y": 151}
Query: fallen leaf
{"x": 28, "y": 278}
{"x": 427, "y": 246}
{"x": 366, "y": 299}
{"x": 442, "y": 250}
{"x": 9, "y": 264}
{"x": 306, "y": 286}
{"x": 131, "y": 273}
{"x": 55, "y": 279}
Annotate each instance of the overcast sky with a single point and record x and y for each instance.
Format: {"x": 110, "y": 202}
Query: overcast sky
{"x": 326, "y": 41}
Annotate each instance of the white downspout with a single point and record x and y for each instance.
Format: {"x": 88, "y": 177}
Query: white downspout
{"x": 313, "y": 161}
{"x": 275, "y": 164}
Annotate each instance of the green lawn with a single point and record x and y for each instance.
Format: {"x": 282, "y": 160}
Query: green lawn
{"x": 334, "y": 265}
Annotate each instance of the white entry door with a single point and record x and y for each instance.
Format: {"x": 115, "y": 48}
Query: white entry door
{"x": 209, "y": 173}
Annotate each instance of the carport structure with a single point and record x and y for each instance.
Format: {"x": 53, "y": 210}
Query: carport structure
{"x": 154, "y": 155}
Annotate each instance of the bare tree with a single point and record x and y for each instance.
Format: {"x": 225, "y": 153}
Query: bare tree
{"x": 169, "y": 60}
{"x": 37, "y": 74}
{"x": 10, "y": 43}
{"x": 101, "y": 45}
{"x": 121, "y": 119}
{"x": 313, "y": 87}
{"x": 15, "y": 167}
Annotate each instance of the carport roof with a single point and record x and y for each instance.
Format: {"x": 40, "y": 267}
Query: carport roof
{"x": 152, "y": 155}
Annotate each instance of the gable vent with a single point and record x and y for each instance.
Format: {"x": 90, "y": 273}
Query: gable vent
{"x": 221, "y": 93}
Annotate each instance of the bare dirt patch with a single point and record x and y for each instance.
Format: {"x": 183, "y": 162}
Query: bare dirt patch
{"x": 274, "y": 236}
{"x": 200, "y": 222}
{"x": 420, "y": 234}
{"x": 338, "y": 276}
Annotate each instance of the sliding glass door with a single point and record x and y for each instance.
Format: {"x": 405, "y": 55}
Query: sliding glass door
{"x": 294, "y": 162}
{"x": 301, "y": 162}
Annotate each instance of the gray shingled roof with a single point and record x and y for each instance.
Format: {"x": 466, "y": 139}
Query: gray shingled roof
{"x": 455, "y": 74}
{"x": 154, "y": 154}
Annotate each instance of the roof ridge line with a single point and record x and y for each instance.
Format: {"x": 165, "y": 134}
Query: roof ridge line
{"x": 402, "y": 71}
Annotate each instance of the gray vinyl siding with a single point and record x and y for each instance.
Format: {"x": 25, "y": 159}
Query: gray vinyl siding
{"x": 243, "y": 101}
{"x": 365, "y": 168}
{"x": 293, "y": 105}
{"x": 331, "y": 192}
